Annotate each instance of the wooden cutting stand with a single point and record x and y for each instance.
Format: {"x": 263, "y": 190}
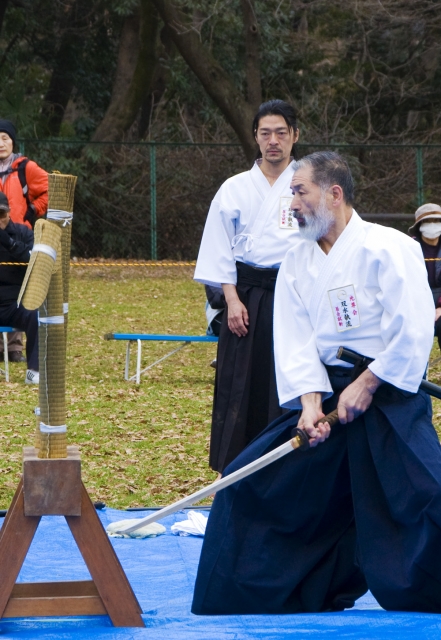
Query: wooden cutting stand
{"x": 54, "y": 487}
{"x": 51, "y": 483}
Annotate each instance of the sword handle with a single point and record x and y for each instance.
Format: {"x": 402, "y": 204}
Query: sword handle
{"x": 300, "y": 439}
{"x": 331, "y": 418}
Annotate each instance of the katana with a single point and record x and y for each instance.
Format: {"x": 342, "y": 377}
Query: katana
{"x": 299, "y": 441}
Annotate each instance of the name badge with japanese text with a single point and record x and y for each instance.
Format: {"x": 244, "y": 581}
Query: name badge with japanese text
{"x": 344, "y": 307}
{"x": 286, "y": 216}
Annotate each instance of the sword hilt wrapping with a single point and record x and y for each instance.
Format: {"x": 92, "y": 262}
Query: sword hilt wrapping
{"x": 302, "y": 438}
{"x": 331, "y": 418}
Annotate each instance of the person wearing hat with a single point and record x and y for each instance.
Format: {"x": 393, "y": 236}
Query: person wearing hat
{"x": 25, "y": 184}
{"x": 427, "y": 231}
{"x": 16, "y": 242}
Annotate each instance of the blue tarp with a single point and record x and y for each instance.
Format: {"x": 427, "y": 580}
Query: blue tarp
{"x": 162, "y": 572}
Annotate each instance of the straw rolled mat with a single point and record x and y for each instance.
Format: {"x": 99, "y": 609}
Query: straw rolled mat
{"x": 46, "y": 286}
{"x": 60, "y": 211}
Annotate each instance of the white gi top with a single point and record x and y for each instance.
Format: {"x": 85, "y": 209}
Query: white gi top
{"x": 249, "y": 221}
{"x": 370, "y": 294}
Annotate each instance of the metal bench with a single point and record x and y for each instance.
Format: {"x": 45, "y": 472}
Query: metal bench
{"x": 4, "y": 331}
{"x": 140, "y": 337}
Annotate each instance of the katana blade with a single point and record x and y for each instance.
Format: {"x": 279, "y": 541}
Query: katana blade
{"x": 299, "y": 441}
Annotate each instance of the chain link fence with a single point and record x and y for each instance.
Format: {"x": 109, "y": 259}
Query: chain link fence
{"x": 149, "y": 201}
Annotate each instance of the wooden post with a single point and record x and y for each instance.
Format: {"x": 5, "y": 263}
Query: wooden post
{"x": 47, "y": 485}
{"x": 51, "y": 482}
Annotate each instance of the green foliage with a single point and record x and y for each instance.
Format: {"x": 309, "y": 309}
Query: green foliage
{"x": 22, "y": 82}
{"x": 34, "y": 31}
{"x": 93, "y": 86}
{"x": 123, "y": 7}
{"x": 355, "y": 73}
{"x": 370, "y": 71}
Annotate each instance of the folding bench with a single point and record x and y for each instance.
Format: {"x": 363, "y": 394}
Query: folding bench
{"x": 4, "y": 331}
{"x": 135, "y": 337}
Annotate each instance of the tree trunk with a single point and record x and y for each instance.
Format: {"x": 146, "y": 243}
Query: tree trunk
{"x": 134, "y": 73}
{"x": 159, "y": 82}
{"x": 3, "y": 6}
{"x": 216, "y": 82}
{"x": 252, "y": 61}
{"x": 63, "y": 74}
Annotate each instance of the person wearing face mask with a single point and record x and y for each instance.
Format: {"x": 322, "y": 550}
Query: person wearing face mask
{"x": 427, "y": 231}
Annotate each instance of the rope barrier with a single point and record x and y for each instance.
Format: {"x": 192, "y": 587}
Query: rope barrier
{"x": 133, "y": 264}
{"x": 113, "y": 264}
{"x": 137, "y": 264}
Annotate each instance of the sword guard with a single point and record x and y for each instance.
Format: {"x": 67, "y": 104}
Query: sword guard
{"x": 302, "y": 437}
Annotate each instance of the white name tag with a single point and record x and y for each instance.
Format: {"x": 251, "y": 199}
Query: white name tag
{"x": 344, "y": 307}
{"x": 286, "y": 216}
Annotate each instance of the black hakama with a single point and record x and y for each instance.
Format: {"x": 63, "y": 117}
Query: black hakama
{"x": 245, "y": 393}
{"x": 312, "y": 531}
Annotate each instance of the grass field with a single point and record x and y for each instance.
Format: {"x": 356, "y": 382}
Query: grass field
{"x": 141, "y": 445}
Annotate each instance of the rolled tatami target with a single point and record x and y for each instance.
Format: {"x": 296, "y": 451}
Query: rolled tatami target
{"x": 60, "y": 212}
{"x": 52, "y": 361}
{"x": 47, "y": 245}
{"x": 46, "y": 288}
{"x": 61, "y": 191}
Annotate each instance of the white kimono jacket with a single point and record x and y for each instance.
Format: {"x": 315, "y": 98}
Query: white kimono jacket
{"x": 249, "y": 221}
{"x": 370, "y": 294}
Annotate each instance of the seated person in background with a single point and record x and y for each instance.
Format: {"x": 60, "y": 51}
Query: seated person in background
{"x": 16, "y": 242}
{"x": 427, "y": 231}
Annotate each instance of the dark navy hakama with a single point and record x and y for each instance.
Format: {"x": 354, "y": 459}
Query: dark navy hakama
{"x": 314, "y": 530}
{"x": 245, "y": 393}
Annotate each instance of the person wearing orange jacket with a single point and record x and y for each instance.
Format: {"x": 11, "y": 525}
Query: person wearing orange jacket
{"x": 29, "y": 201}
{"x": 25, "y": 184}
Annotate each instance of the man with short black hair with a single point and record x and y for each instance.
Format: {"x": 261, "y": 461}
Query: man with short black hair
{"x": 16, "y": 242}
{"x": 248, "y": 231}
{"x": 361, "y": 508}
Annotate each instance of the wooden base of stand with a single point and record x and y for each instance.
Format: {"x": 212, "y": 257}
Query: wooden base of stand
{"x": 109, "y": 591}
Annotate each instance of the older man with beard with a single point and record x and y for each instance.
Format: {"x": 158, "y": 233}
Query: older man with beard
{"x": 362, "y": 507}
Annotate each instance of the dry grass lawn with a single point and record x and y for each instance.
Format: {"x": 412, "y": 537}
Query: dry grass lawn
{"x": 140, "y": 445}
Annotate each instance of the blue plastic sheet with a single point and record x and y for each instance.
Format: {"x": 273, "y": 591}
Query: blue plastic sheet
{"x": 162, "y": 572}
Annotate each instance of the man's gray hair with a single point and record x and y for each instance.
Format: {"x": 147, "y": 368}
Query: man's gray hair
{"x": 329, "y": 168}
